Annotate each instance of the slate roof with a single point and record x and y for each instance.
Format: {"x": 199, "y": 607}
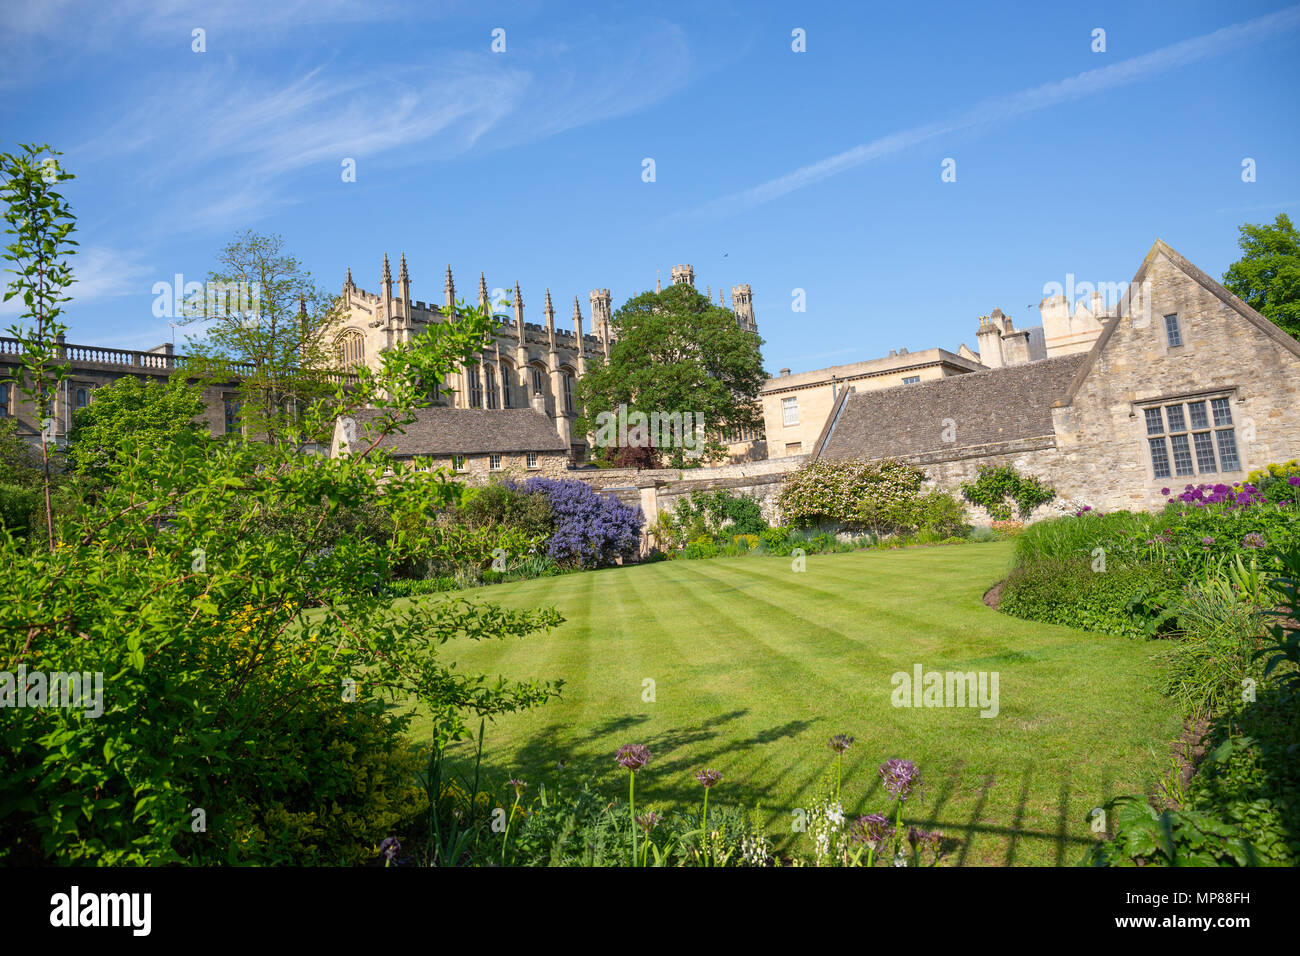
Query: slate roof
{"x": 997, "y": 405}
{"x": 469, "y": 431}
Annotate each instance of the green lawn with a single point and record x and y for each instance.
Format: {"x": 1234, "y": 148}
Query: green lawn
{"x": 755, "y": 667}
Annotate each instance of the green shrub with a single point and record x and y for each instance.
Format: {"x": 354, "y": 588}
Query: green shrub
{"x": 855, "y": 493}
{"x": 18, "y": 507}
{"x": 702, "y": 547}
{"x": 712, "y": 513}
{"x": 499, "y": 504}
{"x": 775, "y": 540}
{"x": 931, "y": 516}
{"x": 1120, "y": 600}
{"x": 1219, "y": 634}
{"x": 998, "y": 488}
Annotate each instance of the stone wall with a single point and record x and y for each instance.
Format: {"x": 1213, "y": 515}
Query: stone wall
{"x": 477, "y": 469}
{"x": 1101, "y": 432}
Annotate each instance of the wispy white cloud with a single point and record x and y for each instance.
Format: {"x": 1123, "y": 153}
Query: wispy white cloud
{"x": 99, "y": 273}
{"x": 237, "y": 143}
{"x": 1012, "y": 106}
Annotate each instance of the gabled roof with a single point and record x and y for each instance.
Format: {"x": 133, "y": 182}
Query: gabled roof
{"x": 987, "y": 407}
{"x": 1160, "y": 247}
{"x": 467, "y": 431}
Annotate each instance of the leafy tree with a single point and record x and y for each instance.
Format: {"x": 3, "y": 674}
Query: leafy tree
{"x": 41, "y": 223}
{"x": 265, "y": 326}
{"x": 676, "y": 352}
{"x": 1267, "y": 276}
{"x": 241, "y": 673}
{"x": 133, "y": 415}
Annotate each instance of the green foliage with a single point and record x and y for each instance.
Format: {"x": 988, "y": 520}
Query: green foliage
{"x": 223, "y": 639}
{"x": 932, "y": 515}
{"x": 1267, "y": 276}
{"x": 1127, "y": 601}
{"x": 501, "y": 505}
{"x": 41, "y": 223}
{"x": 18, "y": 507}
{"x": 1281, "y": 655}
{"x": 709, "y": 513}
{"x": 266, "y": 326}
{"x": 20, "y": 462}
{"x": 586, "y": 829}
{"x": 702, "y": 547}
{"x": 855, "y": 493}
{"x": 998, "y": 488}
{"x": 1250, "y": 777}
{"x": 1169, "y": 838}
{"x": 676, "y": 352}
{"x": 1219, "y": 626}
{"x": 131, "y": 416}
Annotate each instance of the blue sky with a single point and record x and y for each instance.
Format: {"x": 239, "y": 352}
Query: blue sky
{"x": 817, "y": 170}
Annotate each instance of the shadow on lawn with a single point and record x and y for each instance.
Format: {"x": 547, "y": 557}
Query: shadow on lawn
{"x": 556, "y": 758}
{"x": 961, "y": 834}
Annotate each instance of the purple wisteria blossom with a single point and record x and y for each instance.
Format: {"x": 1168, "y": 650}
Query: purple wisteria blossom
{"x": 633, "y": 756}
{"x": 591, "y": 529}
{"x": 900, "y": 777}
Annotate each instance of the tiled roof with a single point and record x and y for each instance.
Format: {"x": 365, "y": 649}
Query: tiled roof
{"x": 468, "y": 431}
{"x": 997, "y": 405}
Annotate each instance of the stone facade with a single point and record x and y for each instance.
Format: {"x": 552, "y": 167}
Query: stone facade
{"x": 795, "y": 407}
{"x": 92, "y": 367}
{"x": 528, "y": 365}
{"x": 481, "y": 445}
{"x": 1184, "y": 384}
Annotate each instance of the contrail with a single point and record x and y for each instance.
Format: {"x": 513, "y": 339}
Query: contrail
{"x": 1015, "y": 105}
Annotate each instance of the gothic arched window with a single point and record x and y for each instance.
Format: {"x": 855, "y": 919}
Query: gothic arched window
{"x": 507, "y": 384}
{"x": 475, "y": 387}
{"x": 351, "y": 347}
{"x": 490, "y": 376}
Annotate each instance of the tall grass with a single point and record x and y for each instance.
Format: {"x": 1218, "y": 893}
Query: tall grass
{"x": 1221, "y": 630}
{"x": 1070, "y": 537}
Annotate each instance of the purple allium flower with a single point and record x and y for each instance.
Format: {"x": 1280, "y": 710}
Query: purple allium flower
{"x": 900, "y": 776}
{"x": 1165, "y": 492}
{"x": 708, "y": 778}
{"x": 840, "y": 743}
{"x": 1294, "y": 481}
{"x": 390, "y": 848}
{"x": 930, "y": 839}
{"x": 873, "y": 830}
{"x": 517, "y": 785}
{"x": 648, "y": 821}
{"x": 633, "y": 756}
{"x": 1207, "y": 541}
{"x": 1253, "y": 540}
